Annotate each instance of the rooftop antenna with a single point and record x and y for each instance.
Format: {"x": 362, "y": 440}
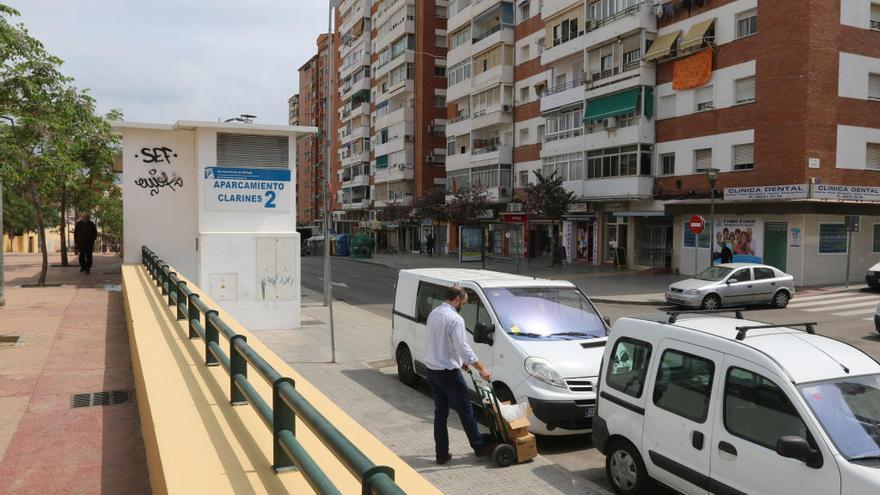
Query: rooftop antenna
{"x": 244, "y": 118}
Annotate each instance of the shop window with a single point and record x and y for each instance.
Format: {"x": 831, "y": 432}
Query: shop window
{"x": 703, "y": 239}
{"x": 832, "y": 238}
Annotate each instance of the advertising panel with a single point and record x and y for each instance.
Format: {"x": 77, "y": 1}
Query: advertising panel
{"x": 738, "y": 240}
{"x": 471, "y": 248}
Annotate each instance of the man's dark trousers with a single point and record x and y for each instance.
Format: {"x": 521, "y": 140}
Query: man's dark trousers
{"x": 449, "y": 390}
{"x": 85, "y": 257}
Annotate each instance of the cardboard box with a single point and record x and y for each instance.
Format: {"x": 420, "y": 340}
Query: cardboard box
{"x": 518, "y": 428}
{"x": 526, "y": 448}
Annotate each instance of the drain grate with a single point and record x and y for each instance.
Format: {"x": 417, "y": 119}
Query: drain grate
{"x": 106, "y": 398}
{"x": 9, "y": 340}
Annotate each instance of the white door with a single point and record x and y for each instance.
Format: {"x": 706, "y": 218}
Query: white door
{"x": 428, "y": 297}
{"x": 678, "y": 412}
{"x": 739, "y": 292}
{"x": 756, "y": 412}
{"x": 474, "y": 312}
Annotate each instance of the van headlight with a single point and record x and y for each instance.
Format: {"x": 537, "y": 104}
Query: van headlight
{"x": 541, "y": 369}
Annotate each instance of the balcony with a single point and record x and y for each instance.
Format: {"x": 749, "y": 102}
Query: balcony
{"x": 404, "y": 86}
{"x": 488, "y": 118}
{"x": 394, "y": 172}
{"x": 458, "y": 161}
{"x": 397, "y": 142}
{"x": 502, "y": 73}
{"x": 563, "y": 47}
{"x": 459, "y": 53}
{"x": 459, "y": 18}
{"x": 498, "y": 194}
{"x": 495, "y": 35}
{"x": 350, "y": 90}
{"x": 626, "y": 20}
{"x": 458, "y": 91}
{"x": 351, "y": 134}
{"x": 494, "y": 153}
{"x": 408, "y": 56}
{"x": 398, "y": 116}
{"x": 404, "y": 200}
{"x": 614, "y": 188}
{"x": 358, "y": 204}
{"x": 560, "y": 96}
{"x": 569, "y": 137}
{"x": 362, "y": 109}
{"x": 632, "y": 75}
{"x": 459, "y": 126}
{"x": 361, "y": 180}
{"x": 642, "y": 131}
{"x": 402, "y": 25}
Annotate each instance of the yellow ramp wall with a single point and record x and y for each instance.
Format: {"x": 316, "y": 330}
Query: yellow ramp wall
{"x": 196, "y": 441}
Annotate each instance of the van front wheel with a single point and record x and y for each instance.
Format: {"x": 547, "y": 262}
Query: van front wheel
{"x": 405, "y": 369}
{"x": 626, "y": 470}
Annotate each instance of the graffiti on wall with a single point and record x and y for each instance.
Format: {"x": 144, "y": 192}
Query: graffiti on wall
{"x": 157, "y": 180}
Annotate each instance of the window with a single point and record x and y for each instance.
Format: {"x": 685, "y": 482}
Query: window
{"x": 742, "y": 275}
{"x": 565, "y": 31}
{"x": 875, "y": 16}
{"x": 757, "y": 410}
{"x": 440, "y": 40}
{"x": 460, "y": 37}
{"x": 872, "y": 156}
{"x": 702, "y": 159}
{"x": 703, "y": 239}
{"x": 703, "y": 99}
{"x": 684, "y": 385}
{"x": 629, "y": 366}
{"x": 524, "y": 11}
{"x": 524, "y": 94}
{"x": 744, "y": 156}
{"x": 876, "y": 248}
{"x": 524, "y": 180}
{"x": 523, "y": 135}
{"x": 540, "y": 132}
{"x": 747, "y": 23}
{"x": 666, "y": 107}
{"x": 524, "y": 53}
{"x": 439, "y": 71}
{"x": 764, "y": 273}
{"x": 429, "y": 297}
{"x": 440, "y": 11}
{"x": 744, "y": 90}
{"x": 667, "y": 164}
{"x": 832, "y": 238}
{"x": 439, "y": 101}
{"x": 474, "y": 312}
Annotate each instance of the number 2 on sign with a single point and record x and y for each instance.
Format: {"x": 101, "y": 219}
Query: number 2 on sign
{"x": 270, "y": 203}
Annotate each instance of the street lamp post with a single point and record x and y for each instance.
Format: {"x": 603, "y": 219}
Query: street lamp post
{"x": 712, "y": 175}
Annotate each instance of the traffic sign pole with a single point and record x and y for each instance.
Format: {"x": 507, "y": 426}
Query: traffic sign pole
{"x": 697, "y": 224}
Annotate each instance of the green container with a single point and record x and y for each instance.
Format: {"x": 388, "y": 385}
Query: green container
{"x": 361, "y": 246}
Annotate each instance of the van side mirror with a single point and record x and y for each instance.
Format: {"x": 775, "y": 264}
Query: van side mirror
{"x": 483, "y": 333}
{"x": 794, "y": 447}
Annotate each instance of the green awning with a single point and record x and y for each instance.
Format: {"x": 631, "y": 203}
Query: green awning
{"x": 649, "y": 101}
{"x": 382, "y": 161}
{"x": 613, "y": 105}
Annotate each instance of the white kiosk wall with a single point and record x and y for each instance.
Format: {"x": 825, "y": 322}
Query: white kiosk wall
{"x": 159, "y": 207}
{"x": 230, "y": 226}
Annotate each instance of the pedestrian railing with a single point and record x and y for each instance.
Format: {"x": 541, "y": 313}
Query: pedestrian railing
{"x": 287, "y": 405}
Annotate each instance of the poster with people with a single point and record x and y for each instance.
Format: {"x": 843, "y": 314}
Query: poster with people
{"x": 471, "y": 244}
{"x": 738, "y": 240}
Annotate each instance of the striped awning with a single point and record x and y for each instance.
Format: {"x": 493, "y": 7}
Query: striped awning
{"x": 694, "y": 36}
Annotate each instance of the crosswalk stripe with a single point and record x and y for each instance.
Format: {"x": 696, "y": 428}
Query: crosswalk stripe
{"x": 824, "y": 296}
{"x": 868, "y": 319}
{"x": 828, "y": 302}
{"x": 845, "y": 306}
{"x": 864, "y": 311}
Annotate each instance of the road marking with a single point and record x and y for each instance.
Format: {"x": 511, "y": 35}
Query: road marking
{"x": 865, "y": 311}
{"x": 868, "y": 319}
{"x": 845, "y": 306}
{"x": 336, "y": 284}
{"x": 824, "y": 296}
{"x": 831, "y": 302}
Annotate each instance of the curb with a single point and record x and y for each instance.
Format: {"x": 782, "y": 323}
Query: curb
{"x": 611, "y": 300}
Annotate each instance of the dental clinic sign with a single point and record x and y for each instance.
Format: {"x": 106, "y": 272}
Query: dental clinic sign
{"x": 846, "y": 193}
{"x": 247, "y": 189}
{"x": 762, "y": 193}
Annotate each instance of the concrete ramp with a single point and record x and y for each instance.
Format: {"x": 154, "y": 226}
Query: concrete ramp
{"x": 196, "y": 442}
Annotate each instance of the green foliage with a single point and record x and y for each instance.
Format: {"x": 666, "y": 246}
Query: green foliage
{"x": 467, "y": 205}
{"x": 431, "y": 205}
{"x": 18, "y": 213}
{"x": 547, "y": 197}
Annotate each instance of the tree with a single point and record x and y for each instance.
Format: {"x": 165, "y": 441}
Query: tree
{"x": 549, "y": 199}
{"x": 467, "y": 205}
{"x": 396, "y": 212}
{"x": 18, "y": 214}
{"x": 431, "y": 205}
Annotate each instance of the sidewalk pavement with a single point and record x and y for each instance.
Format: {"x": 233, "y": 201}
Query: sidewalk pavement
{"x": 364, "y": 383}
{"x": 73, "y": 341}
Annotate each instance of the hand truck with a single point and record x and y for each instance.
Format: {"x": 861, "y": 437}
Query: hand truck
{"x": 504, "y": 454}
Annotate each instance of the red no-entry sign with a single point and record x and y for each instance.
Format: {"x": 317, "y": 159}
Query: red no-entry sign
{"x": 697, "y": 224}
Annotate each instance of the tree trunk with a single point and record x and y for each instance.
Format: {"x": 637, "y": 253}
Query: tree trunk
{"x": 41, "y": 235}
{"x": 553, "y": 252}
{"x": 64, "y": 261}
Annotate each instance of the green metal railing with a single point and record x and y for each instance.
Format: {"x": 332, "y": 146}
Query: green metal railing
{"x": 287, "y": 405}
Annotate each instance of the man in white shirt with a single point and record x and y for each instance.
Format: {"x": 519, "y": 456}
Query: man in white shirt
{"x": 446, "y": 354}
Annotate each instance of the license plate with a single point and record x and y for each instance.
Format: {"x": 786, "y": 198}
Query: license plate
{"x": 590, "y": 412}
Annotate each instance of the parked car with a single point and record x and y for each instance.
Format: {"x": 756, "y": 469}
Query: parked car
{"x": 727, "y": 405}
{"x": 872, "y": 277}
{"x": 733, "y": 284}
{"x": 877, "y": 319}
{"x": 541, "y": 340}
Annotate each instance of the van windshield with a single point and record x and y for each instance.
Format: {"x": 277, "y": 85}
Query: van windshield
{"x": 558, "y": 313}
{"x": 849, "y": 410}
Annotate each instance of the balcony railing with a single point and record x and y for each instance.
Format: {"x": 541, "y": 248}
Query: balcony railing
{"x": 485, "y": 34}
{"x": 566, "y": 134}
{"x": 485, "y": 149}
{"x": 564, "y": 87}
{"x": 875, "y": 24}
{"x": 460, "y": 117}
{"x": 567, "y": 37}
{"x": 619, "y": 15}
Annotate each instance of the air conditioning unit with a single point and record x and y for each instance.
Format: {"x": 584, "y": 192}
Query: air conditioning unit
{"x": 592, "y": 24}
{"x": 505, "y": 108}
{"x": 610, "y": 123}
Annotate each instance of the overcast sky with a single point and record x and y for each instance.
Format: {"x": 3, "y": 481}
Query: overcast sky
{"x": 164, "y": 60}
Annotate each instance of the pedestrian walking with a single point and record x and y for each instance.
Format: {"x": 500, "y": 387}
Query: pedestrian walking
{"x": 446, "y": 354}
{"x": 429, "y": 245}
{"x": 84, "y": 236}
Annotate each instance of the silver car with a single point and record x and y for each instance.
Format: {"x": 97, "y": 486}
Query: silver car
{"x": 733, "y": 284}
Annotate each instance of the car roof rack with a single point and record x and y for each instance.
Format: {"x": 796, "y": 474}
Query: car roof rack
{"x": 673, "y": 315}
{"x": 810, "y": 327}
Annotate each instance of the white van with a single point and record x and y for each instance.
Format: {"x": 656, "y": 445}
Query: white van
{"x": 710, "y": 404}
{"x": 541, "y": 340}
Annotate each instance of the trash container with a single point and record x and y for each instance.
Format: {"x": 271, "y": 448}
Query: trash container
{"x": 361, "y": 246}
{"x": 342, "y": 245}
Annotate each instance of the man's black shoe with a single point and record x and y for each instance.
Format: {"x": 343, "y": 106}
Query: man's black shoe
{"x": 444, "y": 461}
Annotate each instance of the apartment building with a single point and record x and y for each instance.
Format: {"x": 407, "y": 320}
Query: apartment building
{"x": 790, "y": 119}
{"x": 293, "y": 110}
{"x": 311, "y": 107}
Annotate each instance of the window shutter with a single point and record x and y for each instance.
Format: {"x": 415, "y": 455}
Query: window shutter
{"x": 249, "y": 150}
{"x": 743, "y": 156}
{"x": 745, "y": 90}
{"x": 702, "y": 159}
{"x": 873, "y": 157}
{"x": 667, "y": 107}
{"x": 874, "y": 86}
{"x": 704, "y": 95}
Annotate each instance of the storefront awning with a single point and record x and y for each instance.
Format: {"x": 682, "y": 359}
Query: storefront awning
{"x": 662, "y": 46}
{"x": 612, "y": 105}
{"x": 694, "y": 36}
{"x": 640, "y": 214}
